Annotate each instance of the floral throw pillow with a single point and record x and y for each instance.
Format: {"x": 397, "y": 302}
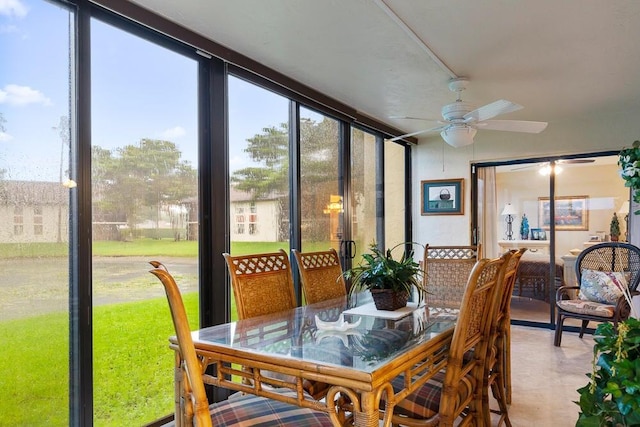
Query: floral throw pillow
{"x": 601, "y": 286}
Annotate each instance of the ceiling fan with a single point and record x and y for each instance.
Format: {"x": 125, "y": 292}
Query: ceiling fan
{"x": 462, "y": 120}
{"x": 544, "y": 168}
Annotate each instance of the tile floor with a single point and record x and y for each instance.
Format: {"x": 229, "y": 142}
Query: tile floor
{"x": 545, "y": 378}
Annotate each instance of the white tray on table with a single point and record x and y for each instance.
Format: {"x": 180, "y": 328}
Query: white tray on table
{"x": 370, "y": 309}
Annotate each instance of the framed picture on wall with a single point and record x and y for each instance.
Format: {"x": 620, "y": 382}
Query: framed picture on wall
{"x": 442, "y": 197}
{"x": 571, "y": 212}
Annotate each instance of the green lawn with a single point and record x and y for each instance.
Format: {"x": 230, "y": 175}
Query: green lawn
{"x": 133, "y": 367}
{"x": 142, "y": 247}
{"x": 132, "y": 383}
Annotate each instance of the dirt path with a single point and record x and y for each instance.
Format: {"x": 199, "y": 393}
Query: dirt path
{"x": 36, "y": 286}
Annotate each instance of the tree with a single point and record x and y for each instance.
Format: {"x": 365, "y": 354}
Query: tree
{"x": 270, "y": 150}
{"x": 136, "y": 181}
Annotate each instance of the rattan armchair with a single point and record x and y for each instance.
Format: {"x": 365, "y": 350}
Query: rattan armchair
{"x": 605, "y": 257}
{"x": 447, "y": 270}
{"x": 320, "y": 275}
{"x": 192, "y": 408}
{"x": 454, "y": 395}
{"x": 262, "y": 283}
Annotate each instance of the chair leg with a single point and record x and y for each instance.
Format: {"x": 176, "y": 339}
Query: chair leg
{"x": 498, "y": 390}
{"x": 506, "y": 354}
{"x": 558, "y": 335}
{"x": 583, "y": 327}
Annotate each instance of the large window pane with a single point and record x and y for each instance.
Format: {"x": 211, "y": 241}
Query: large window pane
{"x": 259, "y": 168}
{"x": 364, "y": 224}
{"x": 321, "y": 191}
{"x": 35, "y": 42}
{"x": 144, "y": 177}
{"x": 395, "y": 205}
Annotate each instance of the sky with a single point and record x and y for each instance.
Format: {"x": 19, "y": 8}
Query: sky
{"x": 139, "y": 90}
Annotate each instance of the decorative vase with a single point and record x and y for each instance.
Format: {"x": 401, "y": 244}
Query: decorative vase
{"x": 389, "y": 300}
{"x": 524, "y": 228}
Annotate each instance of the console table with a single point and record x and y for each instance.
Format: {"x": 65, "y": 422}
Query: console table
{"x": 537, "y": 246}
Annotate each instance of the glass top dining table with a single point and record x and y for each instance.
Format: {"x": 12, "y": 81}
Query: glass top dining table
{"x": 356, "y": 355}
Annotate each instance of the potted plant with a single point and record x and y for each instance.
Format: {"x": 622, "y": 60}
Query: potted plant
{"x": 612, "y": 397}
{"x": 629, "y": 162}
{"x": 614, "y": 228}
{"x": 390, "y": 281}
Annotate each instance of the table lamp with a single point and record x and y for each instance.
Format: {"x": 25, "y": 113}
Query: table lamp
{"x": 509, "y": 212}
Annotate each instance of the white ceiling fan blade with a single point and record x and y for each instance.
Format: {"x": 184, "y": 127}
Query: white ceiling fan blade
{"x": 437, "y": 128}
{"x": 513, "y": 125}
{"x": 489, "y": 111}
{"x": 424, "y": 119}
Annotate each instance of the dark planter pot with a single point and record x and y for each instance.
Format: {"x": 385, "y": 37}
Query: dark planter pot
{"x": 386, "y": 299}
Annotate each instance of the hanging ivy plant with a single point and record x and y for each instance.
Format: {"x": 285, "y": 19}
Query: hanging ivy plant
{"x": 629, "y": 162}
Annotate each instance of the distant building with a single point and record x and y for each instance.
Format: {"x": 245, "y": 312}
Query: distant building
{"x": 258, "y": 220}
{"x": 33, "y": 211}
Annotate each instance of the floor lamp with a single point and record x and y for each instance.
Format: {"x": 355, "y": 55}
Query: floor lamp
{"x": 509, "y": 212}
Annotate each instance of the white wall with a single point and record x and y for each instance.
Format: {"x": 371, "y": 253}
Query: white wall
{"x": 434, "y": 159}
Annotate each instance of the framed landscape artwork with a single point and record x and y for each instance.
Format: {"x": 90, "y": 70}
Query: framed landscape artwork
{"x": 442, "y": 197}
{"x": 571, "y": 212}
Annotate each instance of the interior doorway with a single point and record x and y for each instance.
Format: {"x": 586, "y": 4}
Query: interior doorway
{"x": 515, "y": 201}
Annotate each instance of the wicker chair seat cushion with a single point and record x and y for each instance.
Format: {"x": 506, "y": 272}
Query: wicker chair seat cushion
{"x": 425, "y": 402}
{"x": 250, "y": 410}
{"x": 587, "y": 307}
{"x": 601, "y": 286}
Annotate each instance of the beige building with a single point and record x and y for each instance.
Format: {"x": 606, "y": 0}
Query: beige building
{"x": 32, "y": 211}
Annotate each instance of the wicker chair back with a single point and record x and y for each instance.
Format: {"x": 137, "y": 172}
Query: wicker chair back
{"x": 320, "y": 275}
{"x": 262, "y": 283}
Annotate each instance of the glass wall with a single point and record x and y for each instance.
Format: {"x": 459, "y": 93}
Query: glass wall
{"x": 321, "y": 188}
{"x": 35, "y": 142}
{"x": 145, "y": 207}
{"x": 395, "y": 203}
{"x": 150, "y": 123}
{"x": 259, "y": 167}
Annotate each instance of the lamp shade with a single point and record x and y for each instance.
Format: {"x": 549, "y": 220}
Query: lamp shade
{"x": 509, "y": 210}
{"x": 458, "y": 135}
{"x": 624, "y": 209}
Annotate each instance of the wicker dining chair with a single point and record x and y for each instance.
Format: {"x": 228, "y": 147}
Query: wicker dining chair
{"x": 446, "y": 271}
{"x": 454, "y": 395}
{"x": 262, "y": 283}
{"x": 590, "y": 300}
{"x": 193, "y": 407}
{"x": 499, "y": 348}
{"x": 320, "y": 275}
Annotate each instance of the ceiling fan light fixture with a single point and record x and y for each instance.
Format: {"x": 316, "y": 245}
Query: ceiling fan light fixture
{"x": 458, "y": 135}
{"x": 547, "y": 169}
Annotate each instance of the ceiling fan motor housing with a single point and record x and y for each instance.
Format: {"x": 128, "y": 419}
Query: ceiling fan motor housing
{"x": 456, "y": 111}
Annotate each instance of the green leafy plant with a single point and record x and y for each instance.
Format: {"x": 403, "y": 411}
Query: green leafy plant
{"x": 379, "y": 270}
{"x": 629, "y": 162}
{"x": 612, "y": 397}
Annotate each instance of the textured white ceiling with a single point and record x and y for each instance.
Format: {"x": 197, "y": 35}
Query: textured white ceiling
{"x": 561, "y": 60}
